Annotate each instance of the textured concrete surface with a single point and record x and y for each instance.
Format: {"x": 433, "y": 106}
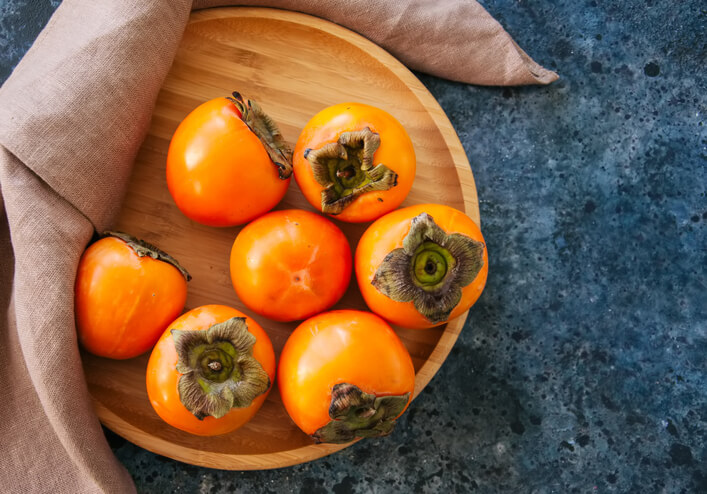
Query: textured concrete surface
{"x": 583, "y": 367}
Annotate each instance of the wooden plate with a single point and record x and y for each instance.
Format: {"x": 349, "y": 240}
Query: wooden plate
{"x": 294, "y": 65}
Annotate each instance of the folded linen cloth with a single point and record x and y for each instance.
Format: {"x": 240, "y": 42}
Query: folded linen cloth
{"x": 72, "y": 117}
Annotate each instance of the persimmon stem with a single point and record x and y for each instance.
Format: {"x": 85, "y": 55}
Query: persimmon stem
{"x": 347, "y": 172}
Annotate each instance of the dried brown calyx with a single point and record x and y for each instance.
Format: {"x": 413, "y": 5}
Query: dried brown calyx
{"x": 345, "y": 169}
{"x": 355, "y": 413}
{"x": 430, "y": 269}
{"x": 143, "y": 249}
{"x": 267, "y": 131}
{"x": 218, "y": 369}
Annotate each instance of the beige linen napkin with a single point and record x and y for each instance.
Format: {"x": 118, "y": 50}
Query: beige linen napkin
{"x": 72, "y": 117}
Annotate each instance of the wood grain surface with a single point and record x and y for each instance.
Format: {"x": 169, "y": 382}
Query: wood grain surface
{"x": 294, "y": 65}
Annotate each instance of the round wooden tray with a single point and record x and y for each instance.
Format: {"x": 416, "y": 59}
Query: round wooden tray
{"x": 294, "y": 65}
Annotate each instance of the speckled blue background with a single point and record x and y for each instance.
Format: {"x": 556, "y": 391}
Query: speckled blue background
{"x": 583, "y": 367}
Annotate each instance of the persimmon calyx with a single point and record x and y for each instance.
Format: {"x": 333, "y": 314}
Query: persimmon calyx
{"x": 143, "y": 249}
{"x": 267, "y": 131}
{"x": 355, "y": 413}
{"x": 430, "y": 269}
{"x": 345, "y": 169}
{"x": 218, "y": 369}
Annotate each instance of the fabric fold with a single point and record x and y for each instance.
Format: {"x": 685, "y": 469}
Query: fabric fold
{"x": 76, "y": 116}
{"x": 52, "y": 439}
{"x": 72, "y": 117}
{"x": 453, "y": 39}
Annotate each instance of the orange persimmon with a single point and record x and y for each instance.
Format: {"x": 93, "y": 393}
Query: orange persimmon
{"x": 345, "y": 374}
{"x": 420, "y": 266}
{"x": 289, "y": 265}
{"x": 126, "y": 293}
{"x": 227, "y": 163}
{"x": 211, "y": 371}
{"x": 354, "y": 161}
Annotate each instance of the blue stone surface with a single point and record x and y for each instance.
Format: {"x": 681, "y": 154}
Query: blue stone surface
{"x": 583, "y": 367}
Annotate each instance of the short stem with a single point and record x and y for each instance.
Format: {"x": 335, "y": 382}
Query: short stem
{"x": 347, "y": 172}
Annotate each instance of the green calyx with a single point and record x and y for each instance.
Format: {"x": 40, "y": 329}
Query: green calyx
{"x": 345, "y": 169}
{"x": 215, "y": 362}
{"x": 218, "y": 369}
{"x": 355, "y": 413}
{"x": 143, "y": 249}
{"x": 430, "y": 269}
{"x": 267, "y": 131}
{"x": 431, "y": 262}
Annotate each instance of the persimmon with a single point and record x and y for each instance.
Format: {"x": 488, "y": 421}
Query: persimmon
{"x": 126, "y": 293}
{"x": 227, "y": 162}
{"x": 289, "y": 265}
{"x": 421, "y": 266}
{"x": 344, "y": 375}
{"x": 354, "y": 161}
{"x": 211, "y": 371}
